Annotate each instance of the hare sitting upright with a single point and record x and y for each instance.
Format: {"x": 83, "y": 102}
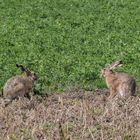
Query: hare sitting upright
{"x": 119, "y": 83}
{"x": 20, "y": 85}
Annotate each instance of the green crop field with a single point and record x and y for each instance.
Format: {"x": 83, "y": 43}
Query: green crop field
{"x": 67, "y": 42}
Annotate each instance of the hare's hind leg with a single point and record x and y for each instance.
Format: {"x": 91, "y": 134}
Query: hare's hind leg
{"x": 133, "y": 88}
{"x": 124, "y": 90}
{"x": 19, "y": 91}
{"x": 13, "y": 92}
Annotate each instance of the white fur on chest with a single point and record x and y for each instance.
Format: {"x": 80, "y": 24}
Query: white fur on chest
{"x": 121, "y": 93}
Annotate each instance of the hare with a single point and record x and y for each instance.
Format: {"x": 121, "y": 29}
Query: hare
{"x": 119, "y": 83}
{"x": 20, "y": 85}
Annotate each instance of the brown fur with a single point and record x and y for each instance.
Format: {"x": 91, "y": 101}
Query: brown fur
{"x": 121, "y": 84}
{"x": 20, "y": 85}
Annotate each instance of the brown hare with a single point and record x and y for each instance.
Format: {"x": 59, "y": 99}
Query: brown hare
{"x": 119, "y": 83}
{"x": 20, "y": 85}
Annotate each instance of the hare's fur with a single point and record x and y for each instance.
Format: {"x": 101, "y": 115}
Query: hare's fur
{"x": 119, "y": 83}
{"x": 19, "y": 86}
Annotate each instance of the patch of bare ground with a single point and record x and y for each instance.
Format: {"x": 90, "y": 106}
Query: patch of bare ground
{"x": 76, "y": 115}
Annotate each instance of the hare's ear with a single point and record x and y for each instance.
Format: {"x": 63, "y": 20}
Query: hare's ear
{"x": 116, "y": 64}
{"x": 24, "y": 69}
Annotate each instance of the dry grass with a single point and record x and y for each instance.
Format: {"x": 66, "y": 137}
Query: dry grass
{"x": 77, "y": 115}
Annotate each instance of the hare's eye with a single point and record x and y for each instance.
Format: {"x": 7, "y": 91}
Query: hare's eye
{"x": 34, "y": 75}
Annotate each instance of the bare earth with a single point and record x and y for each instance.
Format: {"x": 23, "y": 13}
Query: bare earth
{"x": 75, "y": 115}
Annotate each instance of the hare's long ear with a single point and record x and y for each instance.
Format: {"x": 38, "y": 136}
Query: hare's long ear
{"x": 24, "y": 69}
{"x": 115, "y": 64}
